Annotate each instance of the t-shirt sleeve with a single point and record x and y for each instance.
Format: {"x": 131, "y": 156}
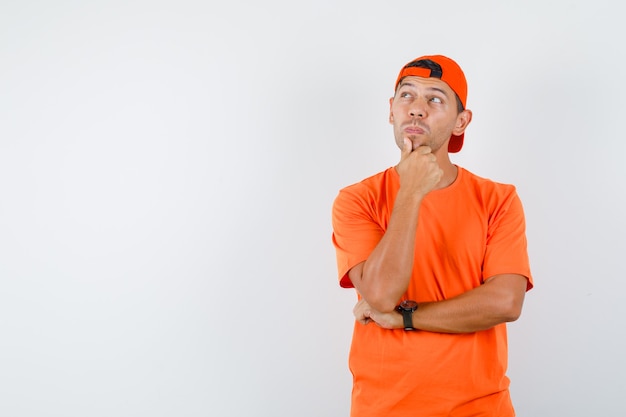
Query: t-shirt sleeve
{"x": 355, "y": 231}
{"x": 507, "y": 248}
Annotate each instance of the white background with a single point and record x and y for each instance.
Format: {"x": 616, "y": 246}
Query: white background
{"x": 167, "y": 170}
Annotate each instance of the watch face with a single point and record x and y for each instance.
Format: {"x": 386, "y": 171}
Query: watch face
{"x": 408, "y": 305}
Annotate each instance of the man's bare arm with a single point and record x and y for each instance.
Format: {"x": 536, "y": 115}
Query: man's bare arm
{"x": 384, "y": 276}
{"x": 498, "y": 300}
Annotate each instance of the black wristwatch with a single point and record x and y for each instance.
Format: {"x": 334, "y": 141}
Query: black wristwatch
{"x": 406, "y": 308}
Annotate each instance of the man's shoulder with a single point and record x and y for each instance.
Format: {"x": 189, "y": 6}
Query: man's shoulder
{"x": 369, "y": 195}
{"x": 484, "y": 183}
{"x": 487, "y": 193}
{"x": 373, "y": 182}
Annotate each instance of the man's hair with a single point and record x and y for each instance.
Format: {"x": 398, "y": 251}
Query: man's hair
{"x": 435, "y": 72}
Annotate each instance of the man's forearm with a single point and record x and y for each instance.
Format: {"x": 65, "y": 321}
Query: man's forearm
{"x": 478, "y": 309}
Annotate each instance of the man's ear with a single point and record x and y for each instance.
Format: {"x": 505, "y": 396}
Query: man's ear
{"x": 390, "y": 112}
{"x": 462, "y": 121}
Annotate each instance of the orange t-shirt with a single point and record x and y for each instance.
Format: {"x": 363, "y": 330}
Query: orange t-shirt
{"x": 466, "y": 233}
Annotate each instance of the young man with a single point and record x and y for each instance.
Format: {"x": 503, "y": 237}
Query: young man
{"x": 438, "y": 258}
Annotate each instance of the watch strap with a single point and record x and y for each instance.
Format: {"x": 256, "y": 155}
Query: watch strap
{"x": 407, "y": 318}
{"x": 406, "y": 308}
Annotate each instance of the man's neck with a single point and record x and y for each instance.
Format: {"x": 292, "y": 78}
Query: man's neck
{"x": 450, "y": 172}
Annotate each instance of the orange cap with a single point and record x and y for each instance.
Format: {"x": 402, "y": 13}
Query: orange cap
{"x": 448, "y": 71}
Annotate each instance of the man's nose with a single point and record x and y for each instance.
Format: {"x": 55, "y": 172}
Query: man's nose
{"x": 417, "y": 109}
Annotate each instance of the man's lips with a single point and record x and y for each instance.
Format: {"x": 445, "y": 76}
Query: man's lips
{"x": 414, "y": 130}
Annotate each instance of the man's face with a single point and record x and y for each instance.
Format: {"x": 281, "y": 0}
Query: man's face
{"x": 425, "y": 111}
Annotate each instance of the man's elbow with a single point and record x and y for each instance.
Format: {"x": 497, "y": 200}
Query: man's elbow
{"x": 512, "y": 316}
{"x": 383, "y": 305}
{"x": 511, "y": 310}
{"x": 507, "y": 296}
{"x": 379, "y": 297}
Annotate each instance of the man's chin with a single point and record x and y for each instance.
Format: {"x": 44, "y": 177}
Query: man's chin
{"x": 417, "y": 142}
{"x": 417, "y": 145}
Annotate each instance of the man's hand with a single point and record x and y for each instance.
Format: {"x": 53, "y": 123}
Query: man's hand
{"x": 418, "y": 169}
{"x": 365, "y": 314}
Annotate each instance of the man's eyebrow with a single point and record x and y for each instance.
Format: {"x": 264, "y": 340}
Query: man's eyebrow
{"x": 441, "y": 90}
{"x": 404, "y": 83}
{"x": 410, "y": 84}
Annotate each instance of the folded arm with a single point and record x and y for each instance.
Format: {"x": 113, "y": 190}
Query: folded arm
{"x": 498, "y": 300}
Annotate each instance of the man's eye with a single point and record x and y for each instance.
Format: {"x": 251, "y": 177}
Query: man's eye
{"x": 436, "y": 100}
{"x": 404, "y": 95}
